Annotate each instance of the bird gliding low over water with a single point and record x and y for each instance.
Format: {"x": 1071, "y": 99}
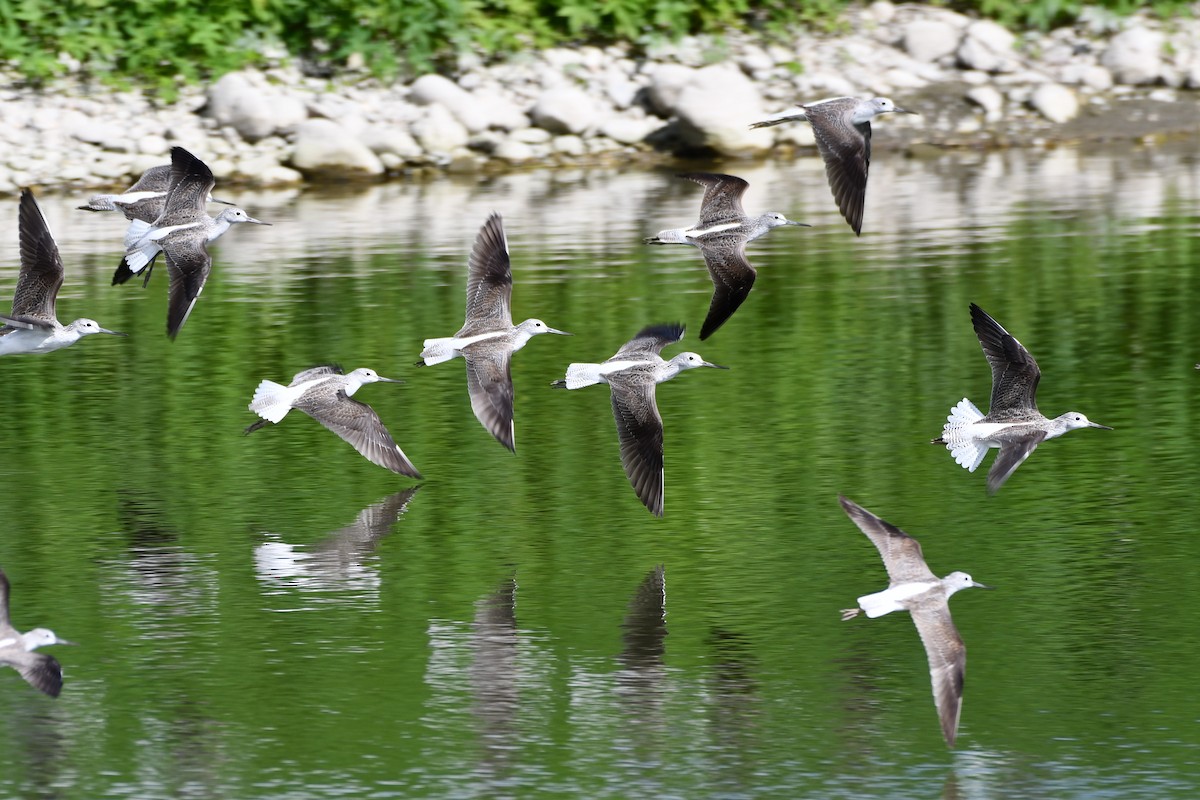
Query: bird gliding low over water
{"x": 1013, "y": 422}
{"x": 842, "y": 129}
{"x": 324, "y": 393}
{"x": 912, "y": 587}
{"x": 488, "y": 337}
{"x": 33, "y": 325}
{"x": 721, "y": 236}
{"x": 632, "y": 374}
{"x": 183, "y": 232}
{"x": 40, "y": 670}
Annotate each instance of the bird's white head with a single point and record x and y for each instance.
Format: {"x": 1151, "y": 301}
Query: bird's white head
{"x": 690, "y": 360}
{"x": 534, "y": 327}
{"x": 232, "y": 216}
{"x": 41, "y": 637}
{"x": 86, "y": 327}
{"x": 362, "y": 376}
{"x": 875, "y": 106}
{"x": 960, "y": 580}
{"x": 1073, "y": 419}
{"x": 774, "y": 219}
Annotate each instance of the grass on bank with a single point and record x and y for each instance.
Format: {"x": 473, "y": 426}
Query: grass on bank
{"x": 160, "y": 43}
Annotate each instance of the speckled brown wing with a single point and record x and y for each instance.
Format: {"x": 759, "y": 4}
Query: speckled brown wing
{"x": 732, "y": 277}
{"x": 489, "y": 383}
{"x": 947, "y": 665}
{"x": 722, "y": 201}
{"x": 41, "y": 268}
{"x": 650, "y": 341}
{"x": 489, "y": 279}
{"x": 901, "y": 553}
{"x": 846, "y": 150}
{"x": 640, "y": 432}
{"x": 1015, "y": 374}
{"x": 358, "y": 424}
{"x": 188, "y": 264}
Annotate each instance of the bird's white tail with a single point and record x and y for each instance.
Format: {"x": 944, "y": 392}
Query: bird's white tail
{"x": 135, "y": 232}
{"x": 878, "y": 604}
{"x": 140, "y": 253}
{"x": 580, "y": 375}
{"x": 967, "y": 451}
{"x": 438, "y": 350}
{"x": 273, "y": 400}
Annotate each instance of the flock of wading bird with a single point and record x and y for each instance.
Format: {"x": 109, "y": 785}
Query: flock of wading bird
{"x": 167, "y": 213}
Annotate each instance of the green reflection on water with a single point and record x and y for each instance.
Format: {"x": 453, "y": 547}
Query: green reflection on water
{"x": 483, "y": 648}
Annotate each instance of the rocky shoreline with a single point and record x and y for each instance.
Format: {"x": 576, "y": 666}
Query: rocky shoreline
{"x": 973, "y": 83}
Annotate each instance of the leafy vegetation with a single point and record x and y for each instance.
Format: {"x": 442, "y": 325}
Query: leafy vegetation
{"x": 165, "y": 42}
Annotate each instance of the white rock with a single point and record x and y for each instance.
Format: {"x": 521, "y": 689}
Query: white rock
{"x": 568, "y": 145}
{"x": 928, "y": 40}
{"x": 715, "y": 109}
{"x": 629, "y": 130}
{"x": 1134, "y": 56}
{"x": 987, "y": 47}
{"x": 564, "y": 110}
{"x": 501, "y": 112}
{"x": 153, "y": 144}
{"x": 620, "y": 90}
{"x": 514, "y": 152}
{"x": 279, "y": 176}
{"x": 431, "y": 89}
{"x": 324, "y": 146}
{"x": 440, "y": 131}
{"x": 1055, "y": 102}
{"x": 390, "y": 140}
{"x": 531, "y": 136}
{"x": 989, "y": 99}
{"x": 255, "y": 112}
{"x": 665, "y": 86}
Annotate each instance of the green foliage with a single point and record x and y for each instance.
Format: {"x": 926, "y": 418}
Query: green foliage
{"x": 161, "y": 43}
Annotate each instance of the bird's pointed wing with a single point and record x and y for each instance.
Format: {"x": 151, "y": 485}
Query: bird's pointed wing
{"x": 155, "y": 179}
{"x": 191, "y": 183}
{"x": 947, "y": 664}
{"x": 846, "y": 150}
{"x": 315, "y": 372}
{"x": 489, "y": 281}
{"x": 650, "y": 340}
{"x": 732, "y": 278}
{"x": 3, "y": 599}
{"x": 147, "y": 209}
{"x": 901, "y": 553}
{"x": 1015, "y": 374}
{"x": 489, "y": 382}
{"x": 188, "y": 264}
{"x": 41, "y": 671}
{"x": 358, "y": 424}
{"x": 1012, "y": 455}
{"x": 41, "y": 266}
{"x": 640, "y": 432}
{"x": 722, "y": 201}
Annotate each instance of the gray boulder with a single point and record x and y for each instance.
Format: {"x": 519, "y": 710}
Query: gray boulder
{"x": 324, "y": 148}
{"x": 429, "y": 89}
{"x": 929, "y": 39}
{"x": 439, "y": 131}
{"x": 239, "y": 100}
{"x": 564, "y": 110}
{"x": 715, "y": 110}
{"x": 1055, "y": 102}
{"x": 1134, "y": 56}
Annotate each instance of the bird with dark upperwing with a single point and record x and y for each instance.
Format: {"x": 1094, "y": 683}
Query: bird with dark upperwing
{"x": 183, "y": 232}
{"x": 721, "y": 236}
{"x": 488, "y": 338}
{"x": 912, "y": 587}
{"x": 33, "y": 325}
{"x": 41, "y": 671}
{"x": 632, "y": 374}
{"x": 1013, "y": 422}
{"x": 324, "y": 394}
{"x": 842, "y": 129}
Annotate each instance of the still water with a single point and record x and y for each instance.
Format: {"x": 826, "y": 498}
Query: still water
{"x": 274, "y": 617}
